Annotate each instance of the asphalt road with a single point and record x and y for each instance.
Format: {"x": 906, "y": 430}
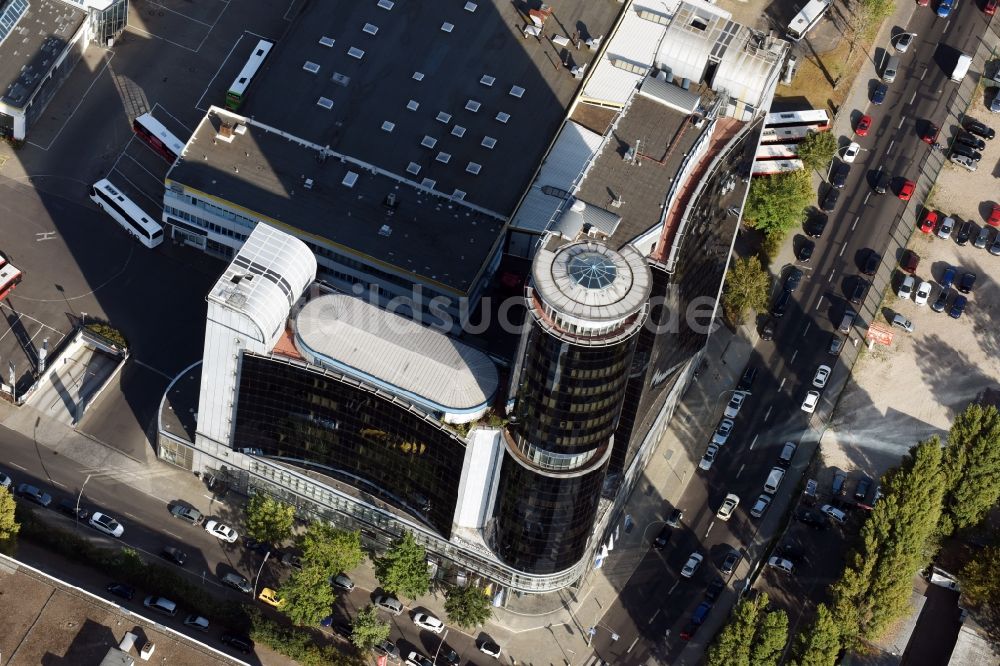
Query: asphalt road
{"x": 656, "y": 600}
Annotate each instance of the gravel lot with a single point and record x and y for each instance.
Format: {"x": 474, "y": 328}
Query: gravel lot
{"x": 914, "y": 388}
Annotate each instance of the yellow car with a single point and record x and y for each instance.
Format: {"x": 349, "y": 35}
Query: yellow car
{"x": 270, "y": 597}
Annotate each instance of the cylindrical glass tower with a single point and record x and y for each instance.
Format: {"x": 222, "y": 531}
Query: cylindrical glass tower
{"x": 587, "y": 302}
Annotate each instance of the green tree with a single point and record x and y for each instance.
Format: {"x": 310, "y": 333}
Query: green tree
{"x": 819, "y": 643}
{"x": 9, "y": 527}
{"x": 769, "y": 639}
{"x": 731, "y": 646}
{"x": 403, "y": 569}
{"x": 778, "y": 202}
{"x": 747, "y": 286}
{"x": 368, "y": 630}
{"x": 468, "y": 607}
{"x": 817, "y": 150}
{"x": 269, "y": 519}
{"x": 331, "y": 549}
{"x": 972, "y": 468}
{"x": 307, "y": 595}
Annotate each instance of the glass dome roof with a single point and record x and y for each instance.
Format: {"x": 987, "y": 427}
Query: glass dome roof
{"x": 592, "y": 270}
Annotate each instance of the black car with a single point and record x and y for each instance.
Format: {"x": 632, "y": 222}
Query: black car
{"x": 781, "y": 303}
{"x": 674, "y": 519}
{"x": 965, "y": 151}
{"x": 813, "y": 519}
{"x": 746, "y": 381}
{"x": 663, "y": 538}
{"x": 793, "y": 279}
{"x": 966, "y": 283}
{"x": 964, "y": 233}
{"x": 714, "y": 589}
{"x": 838, "y": 176}
{"x": 262, "y": 548}
{"x": 878, "y": 95}
{"x": 729, "y": 564}
{"x": 872, "y": 262}
{"x": 882, "y": 182}
{"x": 817, "y": 226}
{"x": 971, "y": 140}
{"x": 175, "y": 555}
{"x": 446, "y": 656}
{"x": 805, "y": 251}
{"x": 238, "y": 643}
{"x": 69, "y": 508}
{"x": 121, "y": 590}
{"x": 859, "y": 290}
{"x": 942, "y": 300}
{"x": 830, "y": 200}
{"x": 979, "y": 129}
{"x": 32, "y": 493}
{"x": 861, "y": 490}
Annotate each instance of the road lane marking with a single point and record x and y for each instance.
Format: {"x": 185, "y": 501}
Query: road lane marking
{"x": 790, "y": 362}
{"x": 855, "y": 225}
{"x": 782, "y": 384}
{"x": 889, "y": 149}
{"x": 766, "y": 416}
{"x": 57, "y": 483}
{"x": 832, "y": 273}
{"x": 674, "y": 586}
{"x": 176, "y": 536}
{"x": 754, "y": 442}
{"x": 809, "y": 323}
{"x": 911, "y": 102}
{"x": 633, "y": 645}
{"x": 737, "y": 476}
{"x": 707, "y": 532}
{"x": 867, "y": 196}
{"x": 654, "y": 616}
{"x": 947, "y": 24}
{"x": 844, "y": 246}
{"x": 130, "y": 515}
{"x": 923, "y": 74}
{"x": 14, "y": 464}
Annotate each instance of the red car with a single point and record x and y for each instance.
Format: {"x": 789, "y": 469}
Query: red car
{"x": 906, "y": 191}
{"x": 923, "y": 3}
{"x": 930, "y": 134}
{"x": 930, "y": 221}
{"x": 991, "y": 7}
{"x": 994, "y": 218}
{"x": 864, "y": 124}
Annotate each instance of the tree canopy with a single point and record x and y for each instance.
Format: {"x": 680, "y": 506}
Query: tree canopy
{"x": 769, "y": 639}
{"x": 268, "y": 519}
{"x": 307, "y": 595}
{"x": 751, "y": 623}
{"x": 368, "y": 629}
{"x": 819, "y": 642}
{"x": 468, "y": 607}
{"x": 9, "y": 526}
{"x": 972, "y": 468}
{"x": 403, "y": 569}
{"x": 332, "y": 550}
{"x": 747, "y": 286}
{"x": 981, "y": 588}
{"x": 817, "y": 150}
{"x": 777, "y": 203}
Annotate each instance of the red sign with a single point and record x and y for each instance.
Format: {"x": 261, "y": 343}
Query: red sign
{"x": 382, "y": 659}
{"x": 880, "y": 334}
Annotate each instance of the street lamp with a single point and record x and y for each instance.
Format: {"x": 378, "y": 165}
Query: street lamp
{"x": 257, "y": 577}
{"x": 438, "y": 651}
{"x": 837, "y": 154}
{"x": 78, "y": 498}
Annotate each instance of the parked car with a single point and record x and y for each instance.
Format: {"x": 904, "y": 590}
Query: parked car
{"x": 906, "y": 287}
{"x": 729, "y": 505}
{"x": 839, "y": 481}
{"x": 910, "y": 261}
{"x": 291, "y": 560}
{"x": 735, "y": 403}
{"x": 836, "y": 345}
{"x": 760, "y": 506}
{"x": 805, "y": 251}
{"x": 414, "y": 658}
{"x": 851, "y": 154}
{"x": 990, "y": 7}
{"x": 882, "y": 181}
{"x": 428, "y": 622}
{"x": 810, "y": 402}
{"x": 812, "y": 519}
{"x": 967, "y": 282}
{"x": 662, "y": 538}
{"x": 861, "y": 490}
{"x": 982, "y": 238}
{"x": 196, "y": 622}
{"x": 830, "y": 200}
{"x": 767, "y": 329}
{"x": 709, "y": 457}
{"x": 978, "y": 128}
{"x": 490, "y": 648}
{"x": 817, "y": 226}
{"x": 389, "y": 603}
{"x": 929, "y": 221}
{"x": 187, "y": 514}
{"x": 834, "y": 512}
{"x": 994, "y": 219}
{"x": 947, "y": 226}
{"x": 343, "y": 582}
{"x": 964, "y": 151}
{"x": 102, "y": 522}
{"x": 160, "y": 605}
{"x": 787, "y": 453}
{"x": 903, "y": 40}
{"x": 692, "y": 564}
{"x": 5, "y": 481}
{"x": 922, "y": 293}
{"x": 906, "y": 190}
{"x": 944, "y": 8}
{"x": 957, "y": 307}
{"x": 780, "y": 563}
{"x": 878, "y": 94}
{"x": 746, "y": 381}
{"x": 864, "y": 124}
{"x": 721, "y": 435}
{"x": 34, "y": 494}
{"x": 237, "y": 642}
{"x": 175, "y": 555}
{"x": 930, "y": 133}
{"x": 964, "y": 233}
{"x": 237, "y": 582}
{"x": 781, "y": 304}
{"x": 70, "y": 508}
{"x": 872, "y": 261}
{"x": 821, "y": 376}
{"x": 675, "y": 517}
{"x": 995, "y": 248}
{"x": 714, "y": 589}
{"x": 221, "y": 531}
{"x": 387, "y": 649}
{"x": 899, "y": 321}
{"x": 121, "y": 590}
{"x": 839, "y": 174}
{"x": 858, "y": 290}
{"x": 948, "y": 277}
{"x": 971, "y": 140}
{"x": 270, "y": 597}
{"x": 942, "y": 299}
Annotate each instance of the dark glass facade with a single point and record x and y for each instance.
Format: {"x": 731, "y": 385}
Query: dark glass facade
{"x": 377, "y": 444}
{"x": 543, "y": 522}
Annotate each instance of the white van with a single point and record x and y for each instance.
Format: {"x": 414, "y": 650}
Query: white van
{"x": 961, "y": 67}
{"x": 161, "y": 605}
{"x": 774, "y": 480}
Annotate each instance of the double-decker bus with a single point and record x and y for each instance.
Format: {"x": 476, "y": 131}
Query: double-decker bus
{"x": 817, "y": 120}
{"x": 806, "y": 20}
{"x": 129, "y": 216}
{"x": 238, "y": 91}
{"x": 152, "y": 131}
{"x": 770, "y": 167}
{"x": 10, "y": 277}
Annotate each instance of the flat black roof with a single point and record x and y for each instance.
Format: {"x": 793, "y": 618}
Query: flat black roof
{"x": 662, "y": 137}
{"x": 460, "y": 61}
{"x": 32, "y": 47}
{"x": 422, "y": 236}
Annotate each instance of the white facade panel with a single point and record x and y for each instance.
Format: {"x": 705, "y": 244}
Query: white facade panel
{"x": 480, "y": 473}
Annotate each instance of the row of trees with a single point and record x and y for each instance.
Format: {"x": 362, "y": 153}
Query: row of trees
{"x": 933, "y": 492}
{"x": 327, "y": 551}
{"x": 755, "y": 635}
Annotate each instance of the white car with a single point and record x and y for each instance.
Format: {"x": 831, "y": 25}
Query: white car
{"x": 417, "y": 659}
{"x": 809, "y": 404}
{"x": 922, "y": 293}
{"x": 722, "y": 433}
{"x": 946, "y": 227}
{"x": 102, "y": 522}
{"x": 760, "y": 506}
{"x": 692, "y": 564}
{"x": 428, "y": 622}
{"x": 733, "y": 408}
{"x": 851, "y": 153}
{"x": 780, "y": 564}
{"x": 822, "y": 375}
{"x": 906, "y": 288}
{"x": 834, "y": 512}
{"x": 490, "y": 648}
{"x": 220, "y": 531}
{"x": 709, "y": 457}
{"x": 729, "y": 505}
{"x": 903, "y": 41}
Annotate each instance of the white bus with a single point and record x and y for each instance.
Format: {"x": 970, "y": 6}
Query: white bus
{"x": 238, "y": 91}
{"x": 814, "y": 119}
{"x": 131, "y": 218}
{"x": 776, "y": 151}
{"x": 784, "y": 134}
{"x": 770, "y": 167}
{"x": 806, "y": 20}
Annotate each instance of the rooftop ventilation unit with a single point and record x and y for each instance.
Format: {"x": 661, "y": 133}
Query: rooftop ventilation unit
{"x": 443, "y": 117}
{"x": 474, "y": 168}
{"x": 340, "y": 79}
{"x": 458, "y": 131}
{"x": 428, "y": 141}
{"x": 349, "y": 179}
{"x": 413, "y": 105}
{"x": 488, "y": 80}
{"x": 386, "y": 4}
{"x": 503, "y": 117}
{"x": 444, "y": 158}
{"x": 308, "y": 183}
{"x": 325, "y": 103}
{"x": 413, "y": 168}
{"x": 488, "y": 142}
{"x": 370, "y": 29}
{"x": 385, "y": 230}
{"x": 388, "y": 126}
{"x": 418, "y": 76}
{"x": 447, "y": 27}
{"x": 355, "y": 52}
{"x": 472, "y": 105}
{"x": 310, "y": 67}
{"x": 471, "y": 6}
{"x": 517, "y": 91}
{"x": 327, "y": 41}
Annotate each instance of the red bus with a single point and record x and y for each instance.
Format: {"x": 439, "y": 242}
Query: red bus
{"x": 10, "y": 277}
{"x": 150, "y": 130}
